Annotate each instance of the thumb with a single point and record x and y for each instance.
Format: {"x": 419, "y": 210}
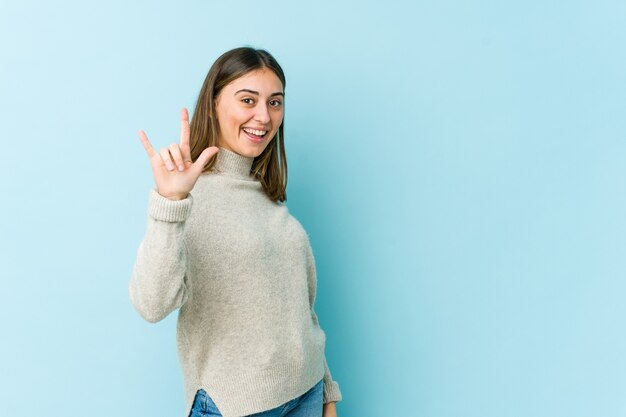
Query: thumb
{"x": 204, "y": 157}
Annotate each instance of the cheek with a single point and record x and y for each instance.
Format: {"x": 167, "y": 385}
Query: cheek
{"x": 238, "y": 117}
{"x": 277, "y": 119}
{"x": 228, "y": 118}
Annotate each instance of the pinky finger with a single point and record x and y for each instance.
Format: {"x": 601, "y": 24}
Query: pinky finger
{"x": 146, "y": 144}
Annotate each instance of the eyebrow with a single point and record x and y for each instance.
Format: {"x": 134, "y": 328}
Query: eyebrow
{"x": 257, "y": 93}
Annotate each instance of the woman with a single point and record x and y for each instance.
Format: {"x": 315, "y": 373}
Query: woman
{"x": 221, "y": 246}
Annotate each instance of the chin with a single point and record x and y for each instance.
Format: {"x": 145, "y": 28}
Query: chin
{"x": 247, "y": 149}
{"x": 254, "y": 151}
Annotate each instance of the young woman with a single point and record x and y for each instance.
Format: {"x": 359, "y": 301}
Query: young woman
{"x": 221, "y": 246}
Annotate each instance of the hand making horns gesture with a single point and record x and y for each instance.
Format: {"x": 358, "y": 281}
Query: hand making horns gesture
{"x": 174, "y": 172}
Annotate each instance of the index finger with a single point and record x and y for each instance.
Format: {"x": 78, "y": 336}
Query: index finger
{"x": 184, "y": 134}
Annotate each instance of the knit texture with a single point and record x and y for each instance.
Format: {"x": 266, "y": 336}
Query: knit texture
{"x": 241, "y": 271}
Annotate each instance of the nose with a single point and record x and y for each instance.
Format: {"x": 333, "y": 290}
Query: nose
{"x": 262, "y": 114}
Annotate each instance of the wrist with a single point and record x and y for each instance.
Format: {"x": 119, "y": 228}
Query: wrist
{"x": 174, "y": 197}
{"x": 330, "y": 409}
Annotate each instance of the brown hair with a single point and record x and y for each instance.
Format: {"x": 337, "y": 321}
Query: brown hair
{"x": 270, "y": 168}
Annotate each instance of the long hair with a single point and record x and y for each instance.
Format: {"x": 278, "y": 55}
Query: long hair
{"x": 270, "y": 167}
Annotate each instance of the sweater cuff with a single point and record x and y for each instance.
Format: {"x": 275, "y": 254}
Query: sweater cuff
{"x": 331, "y": 392}
{"x": 164, "y": 209}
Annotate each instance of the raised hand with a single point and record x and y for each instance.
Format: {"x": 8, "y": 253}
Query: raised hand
{"x": 174, "y": 172}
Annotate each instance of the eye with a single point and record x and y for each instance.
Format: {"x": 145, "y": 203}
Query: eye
{"x": 276, "y": 103}
{"x": 247, "y": 100}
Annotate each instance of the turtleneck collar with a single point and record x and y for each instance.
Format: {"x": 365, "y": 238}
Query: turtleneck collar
{"x": 231, "y": 163}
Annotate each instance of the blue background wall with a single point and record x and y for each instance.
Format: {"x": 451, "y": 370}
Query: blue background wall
{"x": 459, "y": 166}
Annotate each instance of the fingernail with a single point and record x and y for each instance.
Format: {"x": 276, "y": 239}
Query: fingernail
{"x": 181, "y": 168}
{"x": 169, "y": 166}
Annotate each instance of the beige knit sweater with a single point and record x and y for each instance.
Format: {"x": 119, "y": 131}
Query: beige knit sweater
{"x": 242, "y": 272}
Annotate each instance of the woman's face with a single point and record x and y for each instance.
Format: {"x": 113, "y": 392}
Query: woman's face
{"x": 249, "y": 112}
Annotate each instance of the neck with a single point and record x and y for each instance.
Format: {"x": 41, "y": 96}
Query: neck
{"x": 230, "y": 162}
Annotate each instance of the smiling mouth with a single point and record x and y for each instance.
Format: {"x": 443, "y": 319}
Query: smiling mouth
{"x": 255, "y": 133}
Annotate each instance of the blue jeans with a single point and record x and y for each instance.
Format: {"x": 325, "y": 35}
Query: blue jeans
{"x": 308, "y": 404}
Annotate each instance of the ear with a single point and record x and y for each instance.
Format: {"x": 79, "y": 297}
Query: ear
{"x": 215, "y": 104}
{"x": 216, "y": 99}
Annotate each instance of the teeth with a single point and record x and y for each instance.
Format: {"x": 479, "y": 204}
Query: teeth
{"x": 255, "y": 132}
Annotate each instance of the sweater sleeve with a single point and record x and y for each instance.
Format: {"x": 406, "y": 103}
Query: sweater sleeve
{"x": 331, "y": 387}
{"x": 158, "y": 284}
